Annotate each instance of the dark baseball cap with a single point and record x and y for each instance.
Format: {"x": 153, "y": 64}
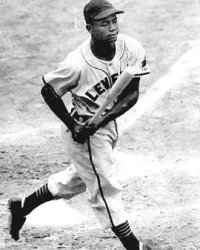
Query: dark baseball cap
{"x": 99, "y": 9}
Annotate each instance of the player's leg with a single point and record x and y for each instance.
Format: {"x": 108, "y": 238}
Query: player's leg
{"x": 20, "y": 207}
{"x": 112, "y": 215}
{"x": 95, "y": 165}
{"x": 65, "y": 184}
{"x": 126, "y": 236}
{"x": 110, "y": 212}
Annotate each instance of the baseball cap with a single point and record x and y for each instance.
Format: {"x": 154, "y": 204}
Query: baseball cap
{"x": 99, "y": 9}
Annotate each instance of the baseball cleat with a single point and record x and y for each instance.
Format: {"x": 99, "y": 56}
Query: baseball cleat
{"x": 16, "y": 219}
{"x": 148, "y": 246}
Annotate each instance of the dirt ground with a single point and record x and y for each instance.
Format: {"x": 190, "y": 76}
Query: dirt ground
{"x": 163, "y": 197}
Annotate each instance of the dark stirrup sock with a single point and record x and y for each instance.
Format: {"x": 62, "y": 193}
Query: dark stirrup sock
{"x": 37, "y": 198}
{"x": 125, "y": 235}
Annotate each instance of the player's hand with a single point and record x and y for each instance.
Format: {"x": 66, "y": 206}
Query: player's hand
{"x": 80, "y": 132}
{"x": 91, "y": 128}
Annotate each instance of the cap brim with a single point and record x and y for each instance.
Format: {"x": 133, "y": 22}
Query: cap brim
{"x": 107, "y": 13}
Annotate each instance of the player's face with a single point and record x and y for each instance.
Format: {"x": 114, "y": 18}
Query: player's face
{"x": 105, "y": 29}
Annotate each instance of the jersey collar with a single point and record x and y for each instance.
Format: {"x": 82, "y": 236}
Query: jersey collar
{"x": 93, "y": 61}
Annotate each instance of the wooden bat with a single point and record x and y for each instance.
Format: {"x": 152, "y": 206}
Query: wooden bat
{"x": 123, "y": 80}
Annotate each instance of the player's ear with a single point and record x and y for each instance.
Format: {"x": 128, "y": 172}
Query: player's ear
{"x": 89, "y": 28}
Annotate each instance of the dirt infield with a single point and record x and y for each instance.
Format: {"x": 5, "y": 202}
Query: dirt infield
{"x": 161, "y": 185}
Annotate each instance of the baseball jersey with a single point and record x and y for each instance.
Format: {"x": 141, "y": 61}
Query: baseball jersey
{"x": 89, "y": 79}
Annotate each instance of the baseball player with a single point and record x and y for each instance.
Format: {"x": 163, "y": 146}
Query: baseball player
{"x": 88, "y": 73}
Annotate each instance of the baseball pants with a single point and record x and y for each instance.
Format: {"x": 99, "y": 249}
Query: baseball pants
{"x": 93, "y": 169}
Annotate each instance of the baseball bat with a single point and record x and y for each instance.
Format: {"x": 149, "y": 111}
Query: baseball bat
{"x": 123, "y": 80}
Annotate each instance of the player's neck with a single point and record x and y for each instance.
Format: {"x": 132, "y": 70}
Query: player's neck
{"x": 103, "y": 50}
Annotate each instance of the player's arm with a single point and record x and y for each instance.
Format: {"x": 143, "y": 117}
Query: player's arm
{"x": 52, "y": 96}
{"x": 56, "y": 104}
{"x": 56, "y": 84}
{"x": 126, "y": 100}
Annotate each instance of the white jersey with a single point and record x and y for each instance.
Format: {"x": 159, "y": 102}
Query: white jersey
{"x": 89, "y": 78}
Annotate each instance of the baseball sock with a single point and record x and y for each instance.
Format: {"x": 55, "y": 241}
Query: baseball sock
{"x": 125, "y": 235}
{"x": 37, "y": 198}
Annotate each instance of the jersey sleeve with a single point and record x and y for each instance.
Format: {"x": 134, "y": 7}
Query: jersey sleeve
{"x": 65, "y": 77}
{"x": 137, "y": 56}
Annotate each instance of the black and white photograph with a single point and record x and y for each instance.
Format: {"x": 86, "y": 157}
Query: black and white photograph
{"x": 100, "y": 124}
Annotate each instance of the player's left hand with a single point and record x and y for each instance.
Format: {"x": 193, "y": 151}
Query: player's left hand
{"x": 80, "y": 133}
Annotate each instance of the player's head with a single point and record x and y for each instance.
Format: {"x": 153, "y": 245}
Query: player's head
{"x": 101, "y": 20}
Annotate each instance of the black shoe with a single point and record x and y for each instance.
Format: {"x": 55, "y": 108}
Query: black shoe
{"x": 16, "y": 217}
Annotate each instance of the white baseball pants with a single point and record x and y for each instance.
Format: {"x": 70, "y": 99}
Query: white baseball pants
{"x": 93, "y": 168}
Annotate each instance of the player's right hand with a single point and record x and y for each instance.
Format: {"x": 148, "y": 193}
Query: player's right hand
{"x": 78, "y": 134}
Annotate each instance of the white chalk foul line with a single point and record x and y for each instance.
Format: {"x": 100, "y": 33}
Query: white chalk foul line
{"x": 27, "y": 131}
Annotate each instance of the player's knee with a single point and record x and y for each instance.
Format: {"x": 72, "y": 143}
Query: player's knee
{"x": 52, "y": 185}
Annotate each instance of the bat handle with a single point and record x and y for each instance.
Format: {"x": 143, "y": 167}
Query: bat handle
{"x": 94, "y": 118}
{"x": 91, "y": 120}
